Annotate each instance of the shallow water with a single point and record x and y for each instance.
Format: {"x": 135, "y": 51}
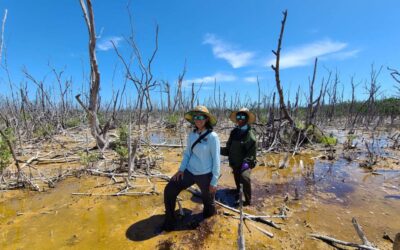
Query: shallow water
{"x": 165, "y": 137}
{"x": 328, "y": 196}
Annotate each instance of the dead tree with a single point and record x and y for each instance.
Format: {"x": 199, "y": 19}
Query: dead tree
{"x": 144, "y": 80}
{"x": 217, "y": 101}
{"x": 3, "y": 24}
{"x": 47, "y": 113}
{"x": 368, "y": 105}
{"x": 396, "y": 76}
{"x": 178, "y": 99}
{"x": 313, "y": 105}
{"x": 296, "y": 103}
{"x": 353, "y": 100}
{"x": 97, "y": 132}
{"x": 323, "y": 115}
{"x": 63, "y": 89}
{"x": 194, "y": 96}
{"x": 283, "y": 110}
{"x": 333, "y": 98}
{"x": 167, "y": 90}
{"x": 373, "y": 91}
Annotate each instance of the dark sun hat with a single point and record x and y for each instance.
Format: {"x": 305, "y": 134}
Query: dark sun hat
{"x": 250, "y": 115}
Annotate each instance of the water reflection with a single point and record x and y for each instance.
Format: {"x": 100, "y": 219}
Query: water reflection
{"x": 165, "y": 137}
{"x": 304, "y": 176}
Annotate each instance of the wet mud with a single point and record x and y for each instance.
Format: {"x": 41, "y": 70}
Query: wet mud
{"x": 319, "y": 197}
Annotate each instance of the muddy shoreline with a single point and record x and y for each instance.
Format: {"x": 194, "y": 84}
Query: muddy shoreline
{"x": 320, "y": 196}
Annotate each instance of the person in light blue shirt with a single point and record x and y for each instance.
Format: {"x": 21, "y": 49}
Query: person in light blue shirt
{"x": 200, "y": 165}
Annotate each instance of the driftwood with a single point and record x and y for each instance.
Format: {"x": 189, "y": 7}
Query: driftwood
{"x": 360, "y": 233}
{"x": 257, "y": 218}
{"x": 241, "y": 240}
{"x": 269, "y": 234}
{"x": 341, "y": 242}
{"x": 117, "y": 194}
{"x": 136, "y": 175}
{"x": 366, "y": 244}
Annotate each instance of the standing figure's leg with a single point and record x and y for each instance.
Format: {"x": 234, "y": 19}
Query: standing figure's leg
{"x": 203, "y": 181}
{"x": 171, "y": 192}
{"x": 237, "y": 177}
{"x": 246, "y": 181}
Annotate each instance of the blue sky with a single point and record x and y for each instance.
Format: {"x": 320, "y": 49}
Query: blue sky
{"x": 229, "y": 41}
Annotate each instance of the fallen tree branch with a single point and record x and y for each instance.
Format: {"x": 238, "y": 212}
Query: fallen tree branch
{"x": 331, "y": 240}
{"x": 360, "y": 233}
{"x": 116, "y": 194}
{"x": 241, "y": 240}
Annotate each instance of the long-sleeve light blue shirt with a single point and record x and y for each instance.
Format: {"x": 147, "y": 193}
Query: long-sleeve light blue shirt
{"x": 204, "y": 158}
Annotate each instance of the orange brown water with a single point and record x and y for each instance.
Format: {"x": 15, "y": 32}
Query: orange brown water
{"x": 329, "y": 195}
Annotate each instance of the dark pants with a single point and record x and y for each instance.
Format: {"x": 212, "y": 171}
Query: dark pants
{"x": 173, "y": 189}
{"x": 243, "y": 178}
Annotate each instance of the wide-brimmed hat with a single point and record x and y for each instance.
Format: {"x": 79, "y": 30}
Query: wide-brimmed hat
{"x": 250, "y": 115}
{"x": 202, "y": 110}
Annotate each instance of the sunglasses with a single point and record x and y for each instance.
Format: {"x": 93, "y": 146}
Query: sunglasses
{"x": 199, "y": 117}
{"x": 241, "y": 117}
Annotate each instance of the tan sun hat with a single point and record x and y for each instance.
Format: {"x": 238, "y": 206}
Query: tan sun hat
{"x": 203, "y": 110}
{"x": 252, "y": 117}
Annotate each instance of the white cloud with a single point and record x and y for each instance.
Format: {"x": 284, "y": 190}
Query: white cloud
{"x": 105, "y": 43}
{"x": 251, "y": 79}
{"x": 342, "y": 55}
{"x": 219, "y": 77}
{"x": 305, "y": 54}
{"x": 223, "y": 50}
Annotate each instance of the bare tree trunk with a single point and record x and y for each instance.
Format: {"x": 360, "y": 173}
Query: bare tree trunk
{"x": 258, "y": 98}
{"x": 3, "y": 24}
{"x": 313, "y": 105}
{"x": 275, "y": 67}
{"x": 296, "y": 103}
{"x": 100, "y": 136}
{"x": 333, "y": 97}
{"x": 167, "y": 89}
{"x": 192, "y": 95}
{"x": 353, "y": 101}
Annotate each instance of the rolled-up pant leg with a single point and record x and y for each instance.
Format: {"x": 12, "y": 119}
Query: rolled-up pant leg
{"x": 172, "y": 191}
{"x": 203, "y": 181}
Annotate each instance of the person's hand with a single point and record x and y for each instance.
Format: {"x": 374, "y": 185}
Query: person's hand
{"x": 244, "y": 166}
{"x": 213, "y": 189}
{"x": 178, "y": 176}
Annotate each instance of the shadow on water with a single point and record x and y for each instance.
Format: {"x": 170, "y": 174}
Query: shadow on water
{"x": 228, "y": 196}
{"x": 151, "y": 227}
{"x": 396, "y": 197}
